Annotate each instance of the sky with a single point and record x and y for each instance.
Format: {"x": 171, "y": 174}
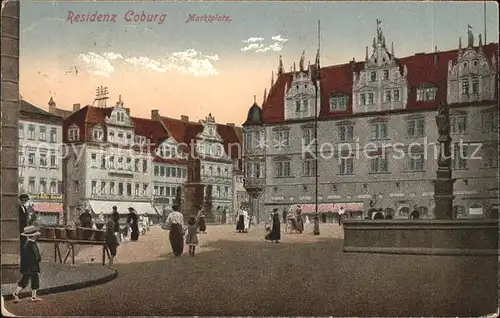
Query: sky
{"x": 194, "y": 67}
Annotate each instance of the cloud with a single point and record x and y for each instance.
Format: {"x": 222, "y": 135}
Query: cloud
{"x": 278, "y": 38}
{"x": 34, "y": 25}
{"x": 277, "y": 46}
{"x": 253, "y": 40}
{"x": 96, "y": 64}
{"x": 188, "y": 62}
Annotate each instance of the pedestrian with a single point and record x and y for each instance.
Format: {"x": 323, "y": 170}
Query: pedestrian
{"x": 285, "y": 213}
{"x": 275, "y": 234}
{"x": 307, "y": 220}
{"x": 111, "y": 241}
{"x": 415, "y": 214}
{"x": 86, "y": 219}
{"x": 132, "y": 222}
{"x": 24, "y": 218}
{"x": 115, "y": 217}
{"x": 191, "y": 236}
{"x": 202, "y": 226}
{"x": 246, "y": 223}
{"x": 175, "y": 222}
{"x": 300, "y": 222}
{"x": 30, "y": 264}
{"x": 240, "y": 225}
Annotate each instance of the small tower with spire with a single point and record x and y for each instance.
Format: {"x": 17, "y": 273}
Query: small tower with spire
{"x": 52, "y": 106}
{"x": 119, "y": 103}
{"x": 101, "y": 96}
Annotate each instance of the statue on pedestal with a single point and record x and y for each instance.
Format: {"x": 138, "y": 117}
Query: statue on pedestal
{"x": 443, "y": 125}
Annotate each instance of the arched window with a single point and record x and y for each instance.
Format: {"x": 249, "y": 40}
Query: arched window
{"x": 404, "y": 211}
{"x": 389, "y": 211}
{"x": 424, "y": 212}
{"x": 493, "y": 211}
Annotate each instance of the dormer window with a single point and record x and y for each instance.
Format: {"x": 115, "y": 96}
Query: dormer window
{"x": 373, "y": 76}
{"x": 73, "y": 134}
{"x": 120, "y": 117}
{"x": 426, "y": 94}
{"x": 338, "y": 103}
{"x": 97, "y": 134}
{"x": 386, "y": 74}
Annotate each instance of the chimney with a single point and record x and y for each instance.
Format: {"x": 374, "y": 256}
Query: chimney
{"x": 154, "y": 114}
{"x": 353, "y": 63}
{"x": 127, "y": 110}
{"x": 76, "y": 107}
{"x": 436, "y": 54}
{"x": 185, "y": 118}
{"x": 230, "y": 124}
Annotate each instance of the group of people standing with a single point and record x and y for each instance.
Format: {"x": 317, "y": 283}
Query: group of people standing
{"x": 243, "y": 221}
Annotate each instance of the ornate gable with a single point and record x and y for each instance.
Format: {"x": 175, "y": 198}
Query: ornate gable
{"x": 472, "y": 77}
{"x": 299, "y": 96}
{"x": 119, "y": 116}
{"x": 209, "y": 143}
{"x": 382, "y": 84}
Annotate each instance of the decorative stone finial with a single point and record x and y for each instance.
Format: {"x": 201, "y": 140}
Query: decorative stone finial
{"x": 294, "y": 67}
{"x": 480, "y": 40}
{"x": 470, "y": 36}
{"x": 265, "y": 96}
{"x": 51, "y": 101}
{"x": 392, "y": 49}
{"x": 460, "y": 43}
{"x": 254, "y": 99}
{"x": 272, "y": 79}
{"x": 301, "y": 62}
{"x": 280, "y": 65}
{"x": 366, "y": 55}
{"x": 119, "y": 103}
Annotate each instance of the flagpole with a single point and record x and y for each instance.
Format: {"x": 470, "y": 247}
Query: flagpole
{"x": 316, "y": 85}
{"x": 485, "y": 41}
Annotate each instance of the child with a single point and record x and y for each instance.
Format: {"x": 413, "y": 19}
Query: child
{"x": 191, "y": 236}
{"x": 111, "y": 241}
{"x": 30, "y": 264}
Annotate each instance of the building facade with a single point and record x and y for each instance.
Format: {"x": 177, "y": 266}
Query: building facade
{"x": 377, "y": 133}
{"x": 108, "y": 164}
{"x": 40, "y": 165}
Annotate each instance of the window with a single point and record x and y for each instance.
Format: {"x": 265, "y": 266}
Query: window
{"x": 370, "y": 99}
{"x": 281, "y": 138}
{"x": 120, "y": 188}
{"x": 379, "y": 164}
{"x": 111, "y": 188}
{"x": 21, "y": 131}
{"x": 347, "y": 166}
{"x": 144, "y": 166}
{"x": 53, "y": 187}
{"x": 43, "y": 160}
{"x": 53, "y": 135}
{"x": 31, "y": 132}
{"x": 362, "y": 99}
{"x": 309, "y": 168}
{"x": 129, "y": 138}
{"x": 43, "y": 133}
{"x": 386, "y": 74}
{"x": 465, "y": 87}
{"x": 387, "y": 96}
{"x": 129, "y": 164}
{"x": 379, "y": 131}
{"x": 43, "y": 186}
{"x": 396, "y": 95}
{"x": 20, "y": 186}
{"x": 21, "y": 158}
{"x": 282, "y": 168}
{"x": 459, "y": 211}
{"x": 98, "y": 134}
{"x": 426, "y": 94}
{"x": 416, "y": 161}
{"x": 111, "y": 162}
{"x": 475, "y": 85}
{"x": 120, "y": 137}
{"x": 218, "y": 172}
{"x": 31, "y": 158}
{"x": 226, "y": 192}
{"x": 297, "y": 106}
{"x": 249, "y": 143}
{"x": 94, "y": 187}
{"x": 120, "y": 117}
{"x": 77, "y": 186}
{"x": 119, "y": 164}
{"x": 210, "y": 171}
{"x": 373, "y": 76}
{"x": 144, "y": 189}
{"x": 415, "y": 127}
{"x": 155, "y": 190}
{"x": 53, "y": 160}
{"x": 137, "y": 189}
{"x": 73, "y": 134}
{"x": 136, "y": 165}
{"x": 162, "y": 190}
{"x": 93, "y": 160}
{"x": 458, "y": 124}
{"x": 253, "y": 170}
{"x": 31, "y": 185}
{"x": 305, "y": 104}
{"x": 102, "y": 189}
{"x": 338, "y": 103}
{"x": 346, "y": 133}
{"x": 162, "y": 171}
{"x": 459, "y": 157}
{"x": 103, "y": 161}
{"x": 111, "y": 136}
{"x": 218, "y": 194}
{"x": 307, "y": 136}
{"x": 490, "y": 121}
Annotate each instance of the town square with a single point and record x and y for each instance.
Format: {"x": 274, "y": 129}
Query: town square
{"x": 249, "y": 159}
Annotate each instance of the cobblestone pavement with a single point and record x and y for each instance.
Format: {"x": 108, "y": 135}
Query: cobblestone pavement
{"x": 305, "y": 275}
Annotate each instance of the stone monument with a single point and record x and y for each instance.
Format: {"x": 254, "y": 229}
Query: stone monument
{"x": 193, "y": 190}
{"x": 207, "y": 204}
{"x": 443, "y": 185}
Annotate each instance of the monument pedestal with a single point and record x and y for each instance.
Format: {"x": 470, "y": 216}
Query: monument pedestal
{"x": 193, "y": 199}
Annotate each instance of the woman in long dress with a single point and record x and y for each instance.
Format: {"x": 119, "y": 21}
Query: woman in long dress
{"x": 300, "y": 222}
{"x": 240, "y": 226}
{"x": 175, "y": 222}
{"x": 275, "y": 234}
{"x": 202, "y": 226}
{"x": 132, "y": 221}
{"x": 246, "y": 222}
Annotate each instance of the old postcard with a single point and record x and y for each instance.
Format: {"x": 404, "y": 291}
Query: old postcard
{"x": 249, "y": 158}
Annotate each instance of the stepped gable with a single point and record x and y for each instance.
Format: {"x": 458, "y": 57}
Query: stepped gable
{"x": 422, "y": 69}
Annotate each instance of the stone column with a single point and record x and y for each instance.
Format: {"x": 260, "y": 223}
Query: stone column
{"x": 443, "y": 184}
{"x": 9, "y": 136}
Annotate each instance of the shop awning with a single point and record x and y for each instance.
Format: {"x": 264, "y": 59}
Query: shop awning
{"x": 106, "y": 207}
{"x": 331, "y": 207}
{"x": 48, "y": 207}
{"x": 350, "y": 206}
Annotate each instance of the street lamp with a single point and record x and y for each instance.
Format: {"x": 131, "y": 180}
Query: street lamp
{"x": 316, "y": 79}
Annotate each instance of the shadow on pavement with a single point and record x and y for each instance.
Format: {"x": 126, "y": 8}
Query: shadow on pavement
{"x": 242, "y": 278}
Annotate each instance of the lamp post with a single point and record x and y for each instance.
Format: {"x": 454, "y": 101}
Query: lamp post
{"x": 316, "y": 80}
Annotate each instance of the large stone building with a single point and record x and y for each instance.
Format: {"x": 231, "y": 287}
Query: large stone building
{"x": 40, "y": 166}
{"x": 385, "y": 105}
{"x": 108, "y": 164}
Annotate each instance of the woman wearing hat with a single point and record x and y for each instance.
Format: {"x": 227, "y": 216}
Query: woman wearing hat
{"x": 275, "y": 234}
{"x": 30, "y": 264}
{"x": 133, "y": 223}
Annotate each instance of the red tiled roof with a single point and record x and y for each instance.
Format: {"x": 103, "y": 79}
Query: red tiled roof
{"x": 85, "y": 119}
{"x": 338, "y": 79}
{"x": 149, "y": 128}
{"x": 232, "y": 144}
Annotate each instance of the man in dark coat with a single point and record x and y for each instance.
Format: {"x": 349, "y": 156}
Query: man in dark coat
{"x": 415, "y": 214}
{"x": 30, "y": 264}
{"x": 133, "y": 223}
{"x": 24, "y": 217}
{"x": 86, "y": 219}
{"x": 275, "y": 234}
{"x": 115, "y": 217}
